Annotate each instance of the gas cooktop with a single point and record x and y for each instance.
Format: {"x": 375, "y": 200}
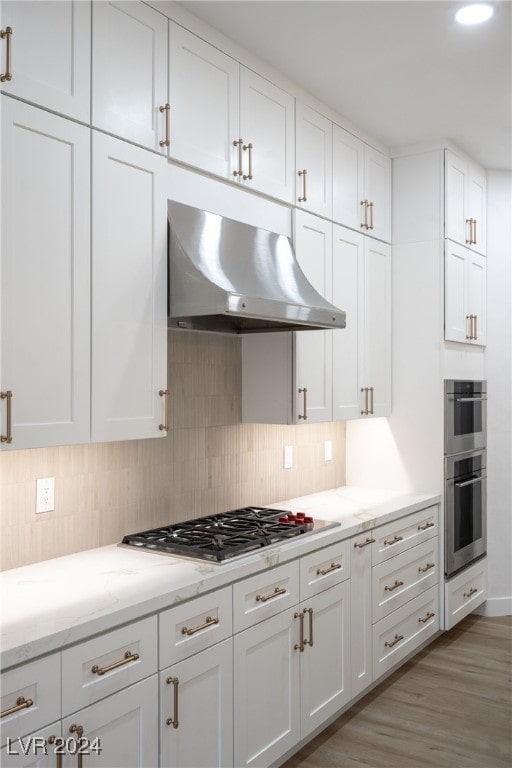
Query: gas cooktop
{"x": 221, "y": 537}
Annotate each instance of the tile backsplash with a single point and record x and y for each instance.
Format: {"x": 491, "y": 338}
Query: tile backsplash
{"x": 209, "y": 462}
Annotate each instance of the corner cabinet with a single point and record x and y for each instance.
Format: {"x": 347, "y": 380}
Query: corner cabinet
{"x": 129, "y": 292}
{"x": 45, "y": 268}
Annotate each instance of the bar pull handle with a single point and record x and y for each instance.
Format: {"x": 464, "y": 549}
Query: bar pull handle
{"x": 165, "y": 394}
{"x": 79, "y": 730}
{"x": 427, "y": 567}
{"x": 277, "y": 591}
{"x": 304, "y": 197}
{"x": 128, "y": 657}
{"x": 430, "y": 615}
{"x": 21, "y": 703}
{"x": 370, "y": 206}
{"x": 7, "y": 438}
{"x": 364, "y": 223}
{"x": 470, "y": 222}
{"x": 238, "y": 143}
{"x": 390, "y": 644}
{"x": 59, "y": 744}
{"x": 393, "y": 586}
{"x": 174, "y": 681}
{"x": 475, "y": 320}
{"x": 248, "y": 175}
{"x": 167, "y": 109}
{"x": 371, "y": 401}
{"x": 304, "y": 392}
{"x": 332, "y": 567}
{"x": 471, "y": 592}
{"x": 300, "y": 645}
{"x": 430, "y": 524}
{"x": 364, "y": 543}
{"x": 469, "y": 482}
{"x": 210, "y": 622}
{"x": 474, "y": 231}
{"x": 7, "y": 35}
{"x": 394, "y": 540}
{"x": 310, "y": 611}
{"x": 365, "y": 412}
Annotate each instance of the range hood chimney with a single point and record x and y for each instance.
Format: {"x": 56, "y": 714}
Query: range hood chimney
{"x": 231, "y": 277}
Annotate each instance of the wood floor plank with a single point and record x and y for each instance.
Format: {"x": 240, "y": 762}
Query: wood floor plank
{"x": 449, "y": 707}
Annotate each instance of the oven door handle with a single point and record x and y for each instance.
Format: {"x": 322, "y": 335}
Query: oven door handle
{"x": 470, "y": 399}
{"x": 469, "y": 482}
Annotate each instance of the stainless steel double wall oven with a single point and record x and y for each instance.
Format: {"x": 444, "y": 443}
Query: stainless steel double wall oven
{"x": 465, "y": 473}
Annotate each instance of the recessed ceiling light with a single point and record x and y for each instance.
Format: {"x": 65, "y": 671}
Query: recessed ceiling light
{"x": 475, "y": 13}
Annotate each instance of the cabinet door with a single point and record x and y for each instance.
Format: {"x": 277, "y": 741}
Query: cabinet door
{"x": 313, "y": 349}
{"x": 267, "y": 123}
{"x": 125, "y": 726}
{"x": 266, "y": 685}
{"x": 129, "y": 291}
{"x": 324, "y": 671}
{"x": 477, "y": 207}
{"x": 347, "y": 287}
{"x": 347, "y": 178}
{"x": 202, "y": 688}
{"x": 204, "y": 95}
{"x": 376, "y": 327}
{"x": 477, "y": 295}
{"x": 129, "y": 71}
{"x": 51, "y": 54}
{"x": 45, "y": 315}
{"x": 377, "y": 186}
{"x": 38, "y": 750}
{"x": 455, "y": 170}
{"x": 361, "y": 612}
{"x": 456, "y": 324}
{"x": 313, "y": 138}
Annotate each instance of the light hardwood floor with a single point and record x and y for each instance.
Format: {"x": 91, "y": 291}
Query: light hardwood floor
{"x": 449, "y": 707}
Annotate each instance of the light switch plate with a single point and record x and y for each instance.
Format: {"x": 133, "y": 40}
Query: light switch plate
{"x": 288, "y": 457}
{"x": 328, "y": 450}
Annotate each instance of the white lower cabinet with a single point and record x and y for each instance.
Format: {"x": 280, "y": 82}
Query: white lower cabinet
{"x": 465, "y": 592}
{"x": 36, "y": 750}
{"x": 196, "y": 710}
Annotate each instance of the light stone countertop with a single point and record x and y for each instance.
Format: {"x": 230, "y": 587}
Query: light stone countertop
{"x": 49, "y": 605}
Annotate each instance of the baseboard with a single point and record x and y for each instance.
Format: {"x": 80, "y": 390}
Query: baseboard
{"x": 495, "y": 606}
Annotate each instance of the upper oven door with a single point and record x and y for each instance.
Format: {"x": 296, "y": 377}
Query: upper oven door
{"x": 465, "y": 416}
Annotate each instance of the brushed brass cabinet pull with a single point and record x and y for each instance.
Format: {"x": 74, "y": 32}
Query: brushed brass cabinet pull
{"x": 7, "y": 438}
{"x": 332, "y": 567}
{"x": 310, "y": 611}
{"x": 300, "y": 645}
{"x": 370, "y": 206}
{"x": 364, "y": 223}
{"x": 364, "y": 543}
{"x": 393, "y": 586}
{"x": 470, "y": 222}
{"x": 7, "y": 34}
{"x": 79, "y": 730}
{"x": 430, "y": 615}
{"x": 470, "y": 318}
{"x": 238, "y": 143}
{"x": 390, "y": 644}
{"x": 304, "y": 392}
{"x": 430, "y": 524}
{"x": 471, "y": 592}
{"x": 277, "y": 591}
{"x": 304, "y": 197}
{"x": 167, "y": 109}
{"x": 174, "y": 681}
{"x": 428, "y": 567}
{"x": 365, "y": 411}
{"x": 210, "y": 622}
{"x": 475, "y": 320}
{"x": 128, "y": 657}
{"x": 165, "y": 394}
{"x": 474, "y": 231}
{"x": 371, "y": 401}
{"x": 248, "y": 175}
{"x": 394, "y": 540}
{"x": 21, "y": 703}
{"x": 59, "y": 743}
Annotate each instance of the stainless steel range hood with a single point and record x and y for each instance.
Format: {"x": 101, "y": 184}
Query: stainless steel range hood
{"x": 231, "y": 277}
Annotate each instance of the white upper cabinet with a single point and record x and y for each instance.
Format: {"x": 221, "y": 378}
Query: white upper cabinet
{"x": 361, "y": 186}
{"x": 129, "y": 292}
{"x": 313, "y": 167}
{"x": 45, "y": 267}
{"x": 465, "y": 202}
{"x": 50, "y": 54}
{"x": 204, "y": 103}
{"x": 465, "y": 295}
{"x": 129, "y": 72}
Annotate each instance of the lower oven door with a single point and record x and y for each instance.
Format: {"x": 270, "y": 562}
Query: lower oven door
{"x": 465, "y": 510}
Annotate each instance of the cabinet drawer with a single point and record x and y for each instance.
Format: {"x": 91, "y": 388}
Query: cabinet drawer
{"x": 101, "y": 666}
{"x": 265, "y": 594}
{"x": 465, "y": 592}
{"x": 401, "y": 578}
{"x": 37, "y": 682}
{"x": 195, "y": 625}
{"x": 396, "y": 537}
{"x": 324, "y": 568}
{"x": 404, "y": 630}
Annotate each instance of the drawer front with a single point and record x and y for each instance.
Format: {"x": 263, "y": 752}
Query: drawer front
{"x": 265, "y": 594}
{"x": 401, "y": 578}
{"x": 96, "y": 668}
{"x": 404, "y": 630}
{"x": 465, "y": 592}
{"x": 396, "y": 537}
{"x": 324, "y": 568}
{"x": 195, "y": 625}
{"x": 30, "y": 697}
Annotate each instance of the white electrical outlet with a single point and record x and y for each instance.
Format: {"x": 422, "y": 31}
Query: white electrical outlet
{"x": 328, "y": 450}
{"x": 288, "y": 457}
{"x": 45, "y": 496}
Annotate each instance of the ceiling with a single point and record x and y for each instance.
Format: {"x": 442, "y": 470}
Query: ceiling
{"x": 402, "y": 70}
